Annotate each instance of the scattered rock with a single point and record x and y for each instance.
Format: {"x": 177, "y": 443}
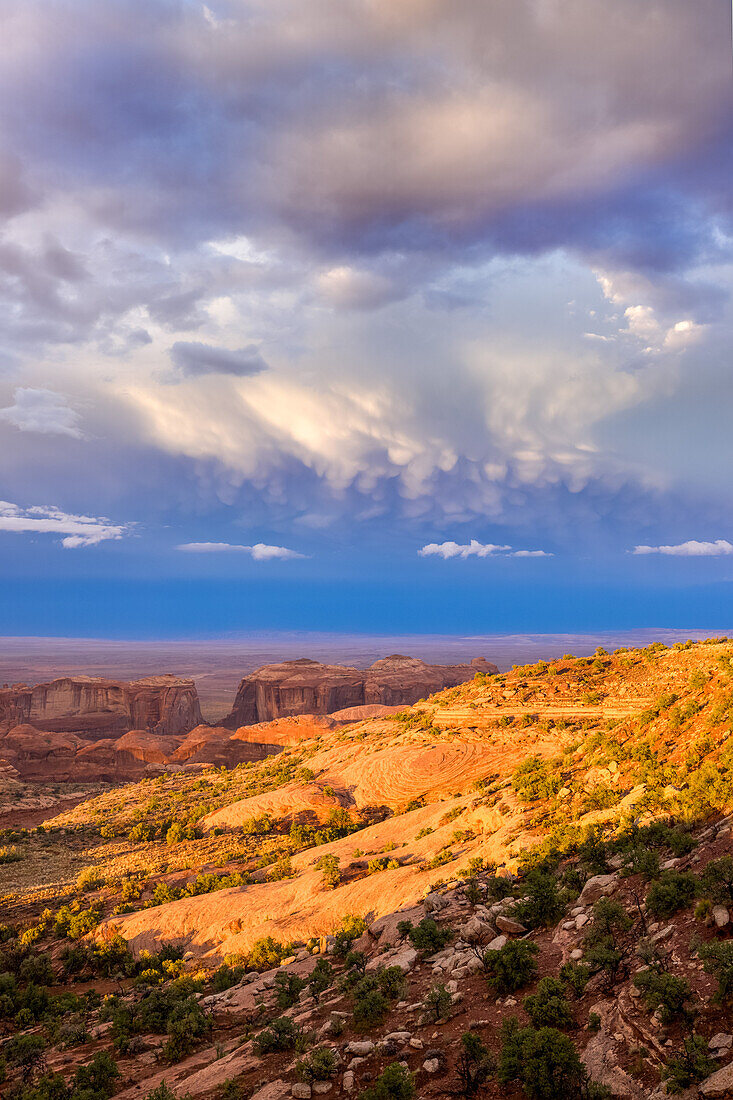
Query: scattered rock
{"x": 598, "y": 886}
{"x": 508, "y": 924}
{"x": 721, "y": 916}
{"x": 719, "y": 1083}
{"x": 360, "y": 1047}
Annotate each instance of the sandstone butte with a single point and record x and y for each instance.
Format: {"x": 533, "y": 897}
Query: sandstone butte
{"x": 95, "y": 707}
{"x": 309, "y": 687}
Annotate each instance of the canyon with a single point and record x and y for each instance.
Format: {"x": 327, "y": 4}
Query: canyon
{"x": 96, "y": 729}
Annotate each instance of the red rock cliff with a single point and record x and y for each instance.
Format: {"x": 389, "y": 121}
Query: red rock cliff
{"x": 94, "y": 707}
{"x": 309, "y": 687}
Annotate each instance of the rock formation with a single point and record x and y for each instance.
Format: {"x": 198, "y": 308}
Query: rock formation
{"x": 94, "y": 707}
{"x": 309, "y": 687}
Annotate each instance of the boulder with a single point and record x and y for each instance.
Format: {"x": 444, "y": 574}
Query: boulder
{"x": 721, "y": 916}
{"x": 508, "y": 924}
{"x": 597, "y": 887}
{"x": 719, "y": 1083}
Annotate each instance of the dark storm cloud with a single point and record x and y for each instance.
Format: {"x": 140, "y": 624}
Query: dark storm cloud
{"x": 371, "y": 126}
{"x": 193, "y": 359}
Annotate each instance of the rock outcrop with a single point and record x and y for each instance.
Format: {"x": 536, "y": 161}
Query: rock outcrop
{"x": 309, "y": 687}
{"x": 93, "y": 707}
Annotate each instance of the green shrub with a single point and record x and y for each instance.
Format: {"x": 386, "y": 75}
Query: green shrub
{"x": 664, "y": 991}
{"x": 544, "y": 1062}
{"x": 266, "y": 953}
{"x": 370, "y": 1006}
{"x": 288, "y": 988}
{"x": 437, "y": 1002}
{"x": 534, "y": 779}
{"x": 475, "y": 1064}
{"x": 512, "y": 966}
{"x": 542, "y": 903}
{"x": 394, "y": 1083}
{"x": 372, "y": 995}
{"x": 607, "y": 944}
{"x": 319, "y": 1065}
{"x": 97, "y": 1078}
{"x": 10, "y": 855}
{"x": 673, "y": 890}
{"x": 690, "y": 1064}
{"x": 548, "y": 1007}
{"x": 321, "y": 977}
{"x": 718, "y": 962}
{"x": 282, "y": 1034}
{"x": 90, "y": 878}
{"x": 427, "y": 936}
{"x": 575, "y": 976}
{"x": 717, "y": 880}
{"x": 226, "y": 977}
{"x": 330, "y": 872}
{"x": 37, "y": 969}
{"x": 26, "y": 1052}
{"x": 350, "y": 929}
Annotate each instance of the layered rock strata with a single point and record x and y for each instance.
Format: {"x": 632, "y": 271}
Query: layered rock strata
{"x": 309, "y": 687}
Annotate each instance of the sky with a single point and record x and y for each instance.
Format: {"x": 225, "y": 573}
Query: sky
{"x": 363, "y": 315}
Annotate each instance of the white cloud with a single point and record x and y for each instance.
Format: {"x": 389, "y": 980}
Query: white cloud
{"x": 691, "y": 549}
{"x": 260, "y": 551}
{"x": 42, "y": 411}
{"x": 473, "y": 549}
{"x": 78, "y": 531}
{"x": 476, "y": 549}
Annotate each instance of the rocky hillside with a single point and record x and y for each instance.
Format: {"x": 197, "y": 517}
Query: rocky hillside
{"x": 521, "y": 886}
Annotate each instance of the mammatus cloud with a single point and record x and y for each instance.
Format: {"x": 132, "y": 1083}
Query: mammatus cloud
{"x": 260, "y": 551}
{"x": 194, "y": 359}
{"x": 42, "y": 411}
{"x": 78, "y": 531}
{"x": 691, "y": 549}
{"x": 475, "y": 549}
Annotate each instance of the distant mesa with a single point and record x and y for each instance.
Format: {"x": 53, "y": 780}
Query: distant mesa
{"x": 92, "y": 729}
{"x": 94, "y": 707}
{"x": 309, "y": 687}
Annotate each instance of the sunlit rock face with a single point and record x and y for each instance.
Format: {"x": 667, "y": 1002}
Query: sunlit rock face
{"x": 309, "y": 687}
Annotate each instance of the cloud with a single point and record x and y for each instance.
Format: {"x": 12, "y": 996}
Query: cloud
{"x": 347, "y": 288}
{"x": 356, "y": 155}
{"x": 42, "y": 411}
{"x": 79, "y": 531}
{"x": 691, "y": 549}
{"x": 475, "y": 549}
{"x": 194, "y": 359}
{"x": 456, "y": 550}
{"x": 260, "y": 551}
